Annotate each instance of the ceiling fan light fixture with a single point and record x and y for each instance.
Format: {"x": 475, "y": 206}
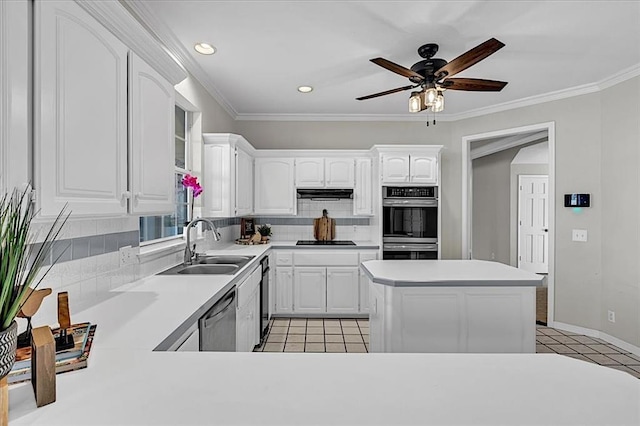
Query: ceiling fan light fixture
{"x": 305, "y": 89}
{"x": 430, "y": 96}
{"x": 204, "y": 48}
{"x": 438, "y": 105}
{"x": 415, "y": 102}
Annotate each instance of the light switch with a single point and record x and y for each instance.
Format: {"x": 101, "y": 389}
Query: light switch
{"x": 579, "y": 235}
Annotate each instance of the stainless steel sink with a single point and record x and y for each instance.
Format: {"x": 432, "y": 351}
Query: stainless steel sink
{"x": 211, "y": 265}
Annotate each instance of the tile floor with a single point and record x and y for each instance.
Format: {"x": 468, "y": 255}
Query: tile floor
{"x": 352, "y": 335}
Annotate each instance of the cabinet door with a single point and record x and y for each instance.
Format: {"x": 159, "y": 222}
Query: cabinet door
{"x": 339, "y": 172}
{"x": 363, "y": 191}
{"x": 217, "y": 180}
{"x": 275, "y": 192}
{"x": 395, "y": 168}
{"x": 243, "y": 328}
{"x": 364, "y": 293}
{"x": 284, "y": 290}
{"x": 310, "y": 290}
{"x": 342, "y": 290}
{"x": 424, "y": 169}
{"x": 80, "y": 125}
{"x": 309, "y": 172}
{"x": 244, "y": 183}
{"x": 151, "y": 151}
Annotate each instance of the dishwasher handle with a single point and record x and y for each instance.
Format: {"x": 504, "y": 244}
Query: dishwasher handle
{"x": 219, "y": 308}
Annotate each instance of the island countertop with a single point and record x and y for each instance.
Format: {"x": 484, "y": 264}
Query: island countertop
{"x": 447, "y": 273}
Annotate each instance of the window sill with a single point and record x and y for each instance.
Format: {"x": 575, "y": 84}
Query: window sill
{"x": 160, "y": 249}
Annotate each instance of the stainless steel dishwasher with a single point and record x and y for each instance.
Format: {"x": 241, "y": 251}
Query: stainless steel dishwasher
{"x": 218, "y": 326}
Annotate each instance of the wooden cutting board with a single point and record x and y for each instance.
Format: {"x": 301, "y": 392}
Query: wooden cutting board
{"x": 324, "y": 228}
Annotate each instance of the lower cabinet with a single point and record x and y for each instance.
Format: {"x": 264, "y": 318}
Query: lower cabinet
{"x": 248, "y": 312}
{"x": 342, "y": 290}
{"x": 364, "y": 293}
{"x": 310, "y": 295}
{"x": 284, "y": 290}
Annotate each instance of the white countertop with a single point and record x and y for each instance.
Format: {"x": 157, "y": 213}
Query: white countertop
{"x": 448, "y": 273}
{"x": 127, "y": 383}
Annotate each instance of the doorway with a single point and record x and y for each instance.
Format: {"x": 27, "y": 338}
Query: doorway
{"x": 492, "y": 142}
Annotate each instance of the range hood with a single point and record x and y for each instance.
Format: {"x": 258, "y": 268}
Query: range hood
{"x": 324, "y": 194}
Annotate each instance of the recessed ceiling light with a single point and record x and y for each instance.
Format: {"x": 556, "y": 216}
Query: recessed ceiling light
{"x": 205, "y": 48}
{"x": 305, "y": 89}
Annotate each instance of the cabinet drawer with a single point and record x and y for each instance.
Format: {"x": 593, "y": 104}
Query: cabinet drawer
{"x": 284, "y": 258}
{"x": 315, "y": 258}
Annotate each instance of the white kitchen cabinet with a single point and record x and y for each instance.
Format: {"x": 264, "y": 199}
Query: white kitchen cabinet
{"x": 309, "y": 290}
{"x": 423, "y": 169}
{"x": 80, "y": 113}
{"x": 309, "y": 172}
{"x": 275, "y": 191}
{"x": 103, "y": 120}
{"x": 339, "y": 172}
{"x": 244, "y": 183}
{"x": 248, "y": 312}
{"x": 284, "y": 290}
{"x": 363, "y": 190}
{"x": 228, "y": 175}
{"x": 152, "y": 146}
{"x": 417, "y": 165}
{"x": 342, "y": 290}
{"x": 325, "y": 172}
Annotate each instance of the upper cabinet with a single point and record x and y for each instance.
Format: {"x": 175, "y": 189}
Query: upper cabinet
{"x": 81, "y": 113}
{"x": 151, "y": 147}
{"x": 363, "y": 190}
{"x": 325, "y": 172}
{"x": 414, "y": 165}
{"x": 275, "y": 191}
{"x": 228, "y": 175}
{"x": 103, "y": 118}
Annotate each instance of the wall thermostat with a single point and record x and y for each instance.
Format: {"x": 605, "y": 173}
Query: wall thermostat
{"x": 577, "y": 200}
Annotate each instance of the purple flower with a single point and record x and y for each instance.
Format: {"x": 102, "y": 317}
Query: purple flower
{"x": 189, "y": 181}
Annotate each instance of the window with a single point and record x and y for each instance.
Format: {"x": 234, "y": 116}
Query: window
{"x": 163, "y": 227}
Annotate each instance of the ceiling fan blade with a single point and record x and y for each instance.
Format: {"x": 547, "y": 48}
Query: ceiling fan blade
{"x": 398, "y": 69}
{"x": 388, "y": 92}
{"x": 473, "y": 84}
{"x": 470, "y": 58}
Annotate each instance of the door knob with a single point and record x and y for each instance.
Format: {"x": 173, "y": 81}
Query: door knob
{"x": 545, "y": 230}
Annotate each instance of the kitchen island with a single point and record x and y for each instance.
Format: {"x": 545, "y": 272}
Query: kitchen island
{"x": 451, "y": 306}
{"x": 128, "y": 383}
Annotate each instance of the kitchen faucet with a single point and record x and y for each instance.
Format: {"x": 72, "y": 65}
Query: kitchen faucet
{"x": 189, "y": 253}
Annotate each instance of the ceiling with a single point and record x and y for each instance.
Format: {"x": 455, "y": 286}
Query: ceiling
{"x": 266, "y": 49}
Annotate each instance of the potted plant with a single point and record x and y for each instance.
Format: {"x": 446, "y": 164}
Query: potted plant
{"x": 20, "y": 262}
{"x": 265, "y": 231}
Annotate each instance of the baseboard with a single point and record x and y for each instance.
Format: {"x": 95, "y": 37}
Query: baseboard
{"x": 599, "y": 334}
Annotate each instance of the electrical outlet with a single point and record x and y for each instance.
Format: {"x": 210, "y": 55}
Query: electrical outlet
{"x": 611, "y": 316}
{"x": 579, "y": 235}
{"x": 127, "y": 256}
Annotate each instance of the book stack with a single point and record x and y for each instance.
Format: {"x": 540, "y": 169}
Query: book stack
{"x": 67, "y": 360}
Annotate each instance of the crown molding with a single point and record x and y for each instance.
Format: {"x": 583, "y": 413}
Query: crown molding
{"x": 132, "y": 33}
{"x": 176, "y": 48}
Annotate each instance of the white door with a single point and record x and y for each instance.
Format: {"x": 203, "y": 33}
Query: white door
{"x": 395, "y": 168}
{"x": 81, "y": 107}
{"x": 533, "y": 223}
{"x": 284, "y": 290}
{"x": 244, "y": 183}
{"x": 363, "y": 191}
{"x": 343, "y": 290}
{"x": 274, "y": 188}
{"x": 310, "y": 172}
{"x": 152, "y": 145}
{"x": 339, "y": 172}
{"x": 310, "y": 290}
{"x": 423, "y": 169}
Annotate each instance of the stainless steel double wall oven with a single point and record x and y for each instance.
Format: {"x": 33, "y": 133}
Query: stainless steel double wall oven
{"x": 410, "y": 222}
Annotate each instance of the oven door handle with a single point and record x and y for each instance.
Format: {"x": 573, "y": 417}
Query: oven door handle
{"x": 410, "y": 247}
{"x": 414, "y": 202}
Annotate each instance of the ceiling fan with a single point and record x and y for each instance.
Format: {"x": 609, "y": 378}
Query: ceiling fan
{"x": 433, "y": 76}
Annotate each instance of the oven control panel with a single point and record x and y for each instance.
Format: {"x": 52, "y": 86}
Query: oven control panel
{"x": 410, "y": 192}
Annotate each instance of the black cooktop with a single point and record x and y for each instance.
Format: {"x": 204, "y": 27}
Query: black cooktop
{"x": 325, "y": 243}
